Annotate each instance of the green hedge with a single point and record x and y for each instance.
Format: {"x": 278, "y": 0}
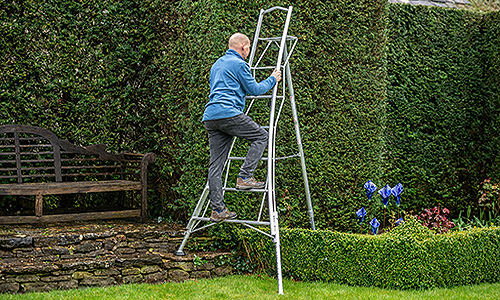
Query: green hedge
{"x": 134, "y": 75}
{"x": 339, "y": 74}
{"x": 368, "y": 80}
{"x": 443, "y": 110}
{"x": 408, "y": 257}
{"x": 94, "y": 72}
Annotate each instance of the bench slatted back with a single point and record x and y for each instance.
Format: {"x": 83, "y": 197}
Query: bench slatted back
{"x": 29, "y": 152}
{"x": 32, "y": 154}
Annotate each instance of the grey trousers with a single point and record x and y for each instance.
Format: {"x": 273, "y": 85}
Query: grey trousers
{"x": 220, "y": 134}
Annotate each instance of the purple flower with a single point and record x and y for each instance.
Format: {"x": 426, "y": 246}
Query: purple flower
{"x": 375, "y": 224}
{"x": 385, "y": 192}
{"x": 361, "y": 213}
{"x": 396, "y": 191}
{"x": 370, "y": 188}
{"x": 399, "y": 221}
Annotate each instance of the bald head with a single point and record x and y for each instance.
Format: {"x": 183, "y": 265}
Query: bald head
{"x": 237, "y": 40}
{"x": 240, "y": 43}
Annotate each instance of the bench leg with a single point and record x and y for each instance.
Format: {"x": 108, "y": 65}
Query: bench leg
{"x": 144, "y": 203}
{"x": 38, "y": 205}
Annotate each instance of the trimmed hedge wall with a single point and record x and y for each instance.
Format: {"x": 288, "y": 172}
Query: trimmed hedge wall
{"x": 94, "y": 72}
{"x": 134, "y": 75}
{"x": 338, "y": 69}
{"x": 443, "y": 107}
{"x": 408, "y": 257}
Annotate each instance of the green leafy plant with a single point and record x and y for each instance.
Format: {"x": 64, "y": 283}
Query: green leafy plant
{"x": 463, "y": 223}
{"x": 198, "y": 261}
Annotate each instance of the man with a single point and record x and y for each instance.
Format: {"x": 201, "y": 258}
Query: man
{"x": 230, "y": 81}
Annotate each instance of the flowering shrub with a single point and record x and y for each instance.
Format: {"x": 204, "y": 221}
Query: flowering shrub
{"x": 436, "y": 219}
{"x": 490, "y": 195}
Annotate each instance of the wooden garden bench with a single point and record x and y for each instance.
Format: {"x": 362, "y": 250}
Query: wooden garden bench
{"x": 35, "y": 162}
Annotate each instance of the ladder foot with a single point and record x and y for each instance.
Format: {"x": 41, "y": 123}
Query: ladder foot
{"x": 179, "y": 253}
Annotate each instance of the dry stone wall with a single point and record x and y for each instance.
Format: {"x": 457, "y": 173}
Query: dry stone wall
{"x": 36, "y": 259}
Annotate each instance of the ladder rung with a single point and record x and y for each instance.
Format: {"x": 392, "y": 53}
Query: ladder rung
{"x": 262, "y": 97}
{"x": 263, "y": 68}
{"x": 242, "y": 158}
{"x": 266, "y": 68}
{"x": 278, "y": 38}
{"x": 265, "y": 158}
{"x": 250, "y": 190}
{"x": 235, "y": 221}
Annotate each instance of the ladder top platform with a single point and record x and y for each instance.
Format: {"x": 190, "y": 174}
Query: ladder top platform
{"x": 275, "y": 8}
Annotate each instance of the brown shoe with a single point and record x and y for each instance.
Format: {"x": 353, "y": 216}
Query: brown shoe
{"x": 223, "y": 215}
{"x": 249, "y": 183}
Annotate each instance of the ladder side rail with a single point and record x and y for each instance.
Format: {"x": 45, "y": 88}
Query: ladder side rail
{"x": 272, "y": 166}
{"x": 192, "y": 221}
{"x": 278, "y": 257}
{"x": 256, "y": 37}
{"x": 275, "y": 204}
{"x": 205, "y": 210}
{"x": 299, "y": 144}
{"x": 271, "y": 154}
{"x": 283, "y": 38}
{"x": 250, "y": 105}
{"x": 272, "y": 136}
{"x": 270, "y": 159}
{"x": 280, "y": 107}
{"x": 227, "y": 164}
{"x": 259, "y": 216}
{"x": 275, "y": 134}
{"x": 289, "y": 54}
{"x": 199, "y": 206}
{"x": 227, "y": 167}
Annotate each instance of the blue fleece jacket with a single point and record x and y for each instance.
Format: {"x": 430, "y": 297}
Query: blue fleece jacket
{"x": 230, "y": 81}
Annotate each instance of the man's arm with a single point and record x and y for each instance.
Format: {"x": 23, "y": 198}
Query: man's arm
{"x": 254, "y": 88}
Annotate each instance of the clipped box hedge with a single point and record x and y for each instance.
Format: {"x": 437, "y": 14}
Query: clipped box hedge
{"x": 408, "y": 257}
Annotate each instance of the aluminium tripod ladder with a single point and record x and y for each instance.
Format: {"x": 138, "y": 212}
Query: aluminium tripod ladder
{"x": 285, "y": 45}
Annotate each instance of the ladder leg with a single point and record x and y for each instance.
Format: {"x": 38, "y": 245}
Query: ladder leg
{"x": 299, "y": 143}
{"x": 191, "y": 224}
{"x": 276, "y": 240}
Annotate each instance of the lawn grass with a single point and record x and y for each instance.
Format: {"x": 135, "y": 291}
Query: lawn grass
{"x": 261, "y": 288}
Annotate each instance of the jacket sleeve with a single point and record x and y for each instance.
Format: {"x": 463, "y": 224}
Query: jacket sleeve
{"x": 250, "y": 85}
